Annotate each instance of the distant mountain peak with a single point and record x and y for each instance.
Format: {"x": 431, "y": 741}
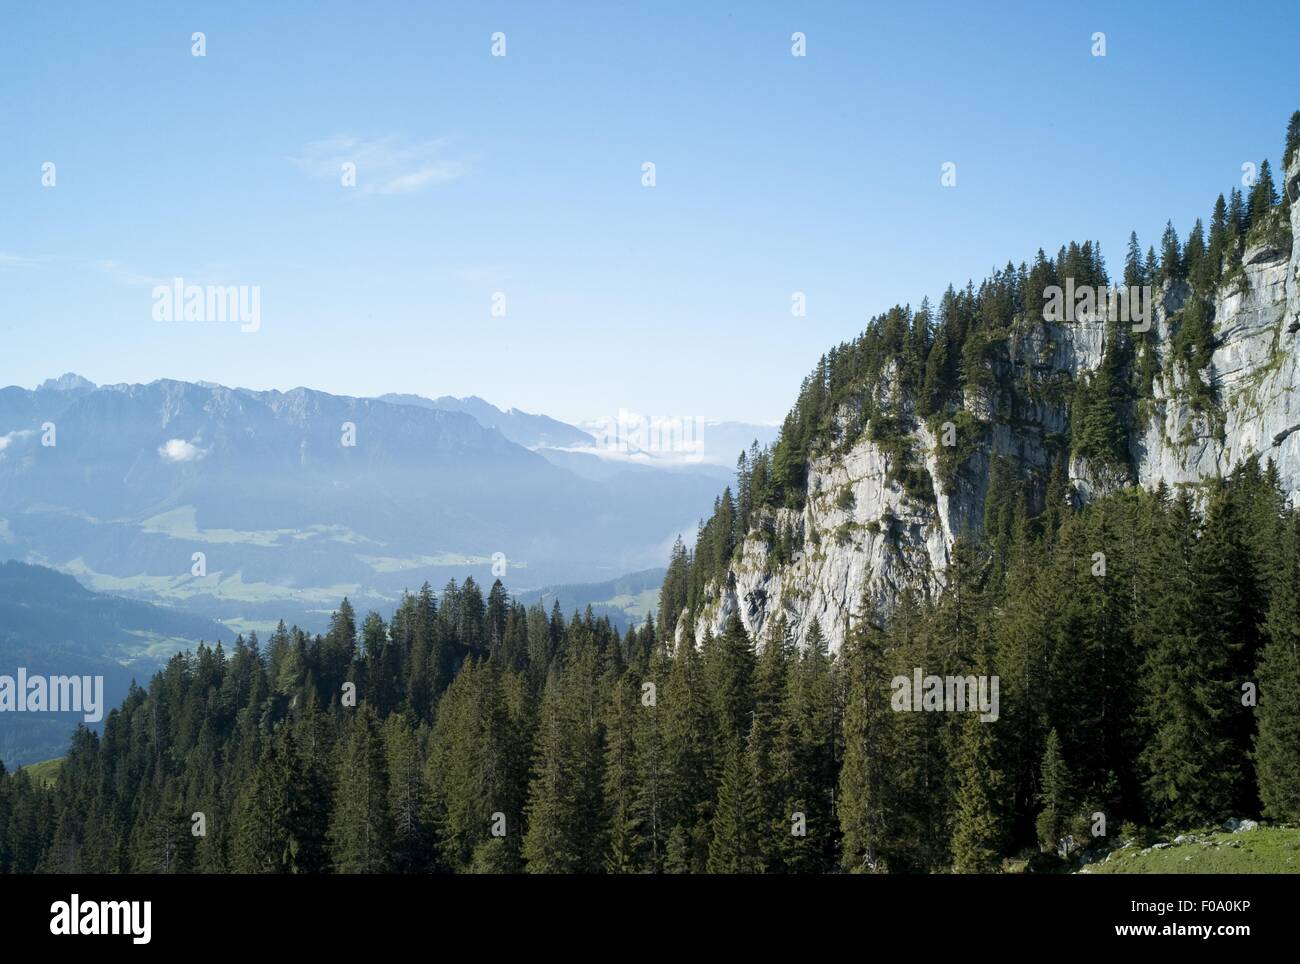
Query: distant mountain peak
{"x": 523, "y": 428}
{"x": 67, "y": 382}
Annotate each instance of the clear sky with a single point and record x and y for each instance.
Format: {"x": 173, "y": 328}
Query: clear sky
{"x": 523, "y": 174}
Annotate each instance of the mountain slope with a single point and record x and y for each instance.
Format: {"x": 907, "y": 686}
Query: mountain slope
{"x": 625, "y": 601}
{"x": 522, "y": 428}
{"x": 887, "y": 459}
{"x": 51, "y": 625}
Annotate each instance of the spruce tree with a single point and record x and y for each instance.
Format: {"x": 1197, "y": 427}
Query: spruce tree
{"x": 267, "y": 811}
{"x": 1292, "y": 143}
{"x": 1191, "y": 767}
{"x": 690, "y": 778}
{"x": 765, "y": 734}
{"x": 1263, "y": 196}
{"x": 807, "y": 756}
{"x": 1277, "y": 739}
{"x": 734, "y": 847}
{"x": 867, "y": 792}
{"x": 978, "y": 833}
{"x": 1055, "y": 796}
{"x": 651, "y": 807}
{"x": 1217, "y": 251}
{"x": 626, "y": 837}
{"x": 1171, "y": 259}
{"x": 361, "y": 832}
{"x": 565, "y": 803}
{"x": 412, "y": 841}
{"x": 1134, "y": 273}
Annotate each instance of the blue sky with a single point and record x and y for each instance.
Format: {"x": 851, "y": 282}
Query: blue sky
{"x": 522, "y": 174}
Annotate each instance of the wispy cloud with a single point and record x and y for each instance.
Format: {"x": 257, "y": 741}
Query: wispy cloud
{"x": 209, "y": 274}
{"x": 8, "y": 260}
{"x": 384, "y": 165}
{"x": 119, "y": 272}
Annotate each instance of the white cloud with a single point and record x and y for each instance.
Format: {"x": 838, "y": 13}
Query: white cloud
{"x": 384, "y": 165}
{"x": 179, "y": 450}
{"x": 5, "y": 440}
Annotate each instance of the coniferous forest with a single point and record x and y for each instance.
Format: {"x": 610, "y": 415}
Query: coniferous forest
{"x": 1147, "y": 645}
{"x": 486, "y": 737}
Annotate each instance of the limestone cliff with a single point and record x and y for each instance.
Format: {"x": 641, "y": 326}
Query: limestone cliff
{"x": 861, "y": 535}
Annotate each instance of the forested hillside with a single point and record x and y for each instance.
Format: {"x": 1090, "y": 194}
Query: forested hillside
{"x": 887, "y": 456}
{"x": 1121, "y": 692}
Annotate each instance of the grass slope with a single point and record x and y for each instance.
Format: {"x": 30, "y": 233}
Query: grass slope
{"x": 46, "y": 772}
{"x": 1264, "y": 850}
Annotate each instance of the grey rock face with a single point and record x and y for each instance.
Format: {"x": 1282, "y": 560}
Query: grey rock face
{"x": 861, "y": 539}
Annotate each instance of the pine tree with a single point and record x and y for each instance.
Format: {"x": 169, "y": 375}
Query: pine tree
{"x": 361, "y": 833}
{"x": 495, "y": 618}
{"x": 690, "y": 779}
{"x": 267, "y": 811}
{"x": 765, "y": 734}
{"x": 478, "y": 762}
{"x": 807, "y": 756}
{"x": 1056, "y": 795}
{"x": 1194, "y": 258}
{"x": 1263, "y": 196}
{"x": 424, "y": 682}
{"x": 1292, "y": 143}
{"x": 673, "y": 593}
{"x": 626, "y": 836}
{"x": 1191, "y": 768}
{"x": 1277, "y": 741}
{"x": 1238, "y": 223}
{"x": 868, "y": 794}
{"x": 734, "y": 848}
{"x": 565, "y": 802}
{"x": 339, "y": 648}
{"x": 412, "y": 840}
{"x": 1134, "y": 272}
{"x": 651, "y": 806}
{"x": 313, "y": 743}
{"x": 1288, "y": 153}
{"x": 978, "y": 833}
{"x": 1171, "y": 259}
{"x": 728, "y": 662}
{"x": 1217, "y": 251}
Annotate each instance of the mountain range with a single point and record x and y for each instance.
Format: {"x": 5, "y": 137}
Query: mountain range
{"x": 296, "y": 499}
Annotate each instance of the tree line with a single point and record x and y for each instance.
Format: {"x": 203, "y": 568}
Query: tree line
{"x": 1148, "y": 655}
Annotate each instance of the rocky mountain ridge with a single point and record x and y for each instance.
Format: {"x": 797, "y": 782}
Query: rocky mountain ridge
{"x": 861, "y": 537}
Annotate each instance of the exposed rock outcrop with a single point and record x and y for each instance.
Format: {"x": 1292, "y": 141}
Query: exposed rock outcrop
{"x": 861, "y": 537}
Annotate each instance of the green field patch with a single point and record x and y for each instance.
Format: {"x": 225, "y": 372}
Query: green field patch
{"x": 45, "y": 773}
